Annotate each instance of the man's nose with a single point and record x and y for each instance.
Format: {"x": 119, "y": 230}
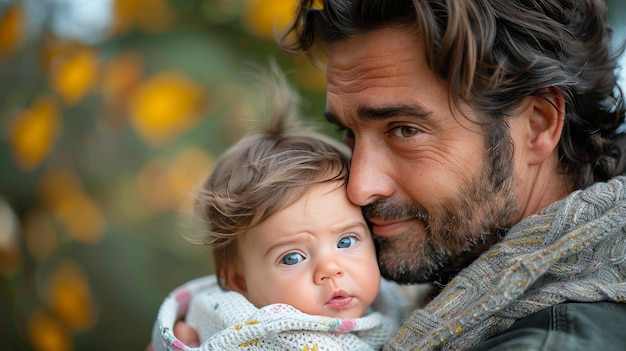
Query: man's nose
{"x": 368, "y": 178}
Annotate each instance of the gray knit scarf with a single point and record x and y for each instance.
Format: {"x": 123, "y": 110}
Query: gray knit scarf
{"x": 574, "y": 250}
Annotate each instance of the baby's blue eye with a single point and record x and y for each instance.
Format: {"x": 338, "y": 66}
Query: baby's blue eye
{"x": 292, "y": 258}
{"x": 346, "y": 242}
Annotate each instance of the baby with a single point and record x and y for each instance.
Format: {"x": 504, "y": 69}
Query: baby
{"x": 295, "y": 261}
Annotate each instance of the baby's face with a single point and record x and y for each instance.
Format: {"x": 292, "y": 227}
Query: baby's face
{"x": 316, "y": 255}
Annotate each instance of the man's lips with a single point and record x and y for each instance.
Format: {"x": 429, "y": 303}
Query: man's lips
{"x": 381, "y": 228}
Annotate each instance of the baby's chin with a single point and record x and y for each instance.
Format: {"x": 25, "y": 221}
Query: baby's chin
{"x": 343, "y": 313}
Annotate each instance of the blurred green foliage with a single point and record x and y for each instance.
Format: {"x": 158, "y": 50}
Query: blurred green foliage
{"x": 110, "y": 112}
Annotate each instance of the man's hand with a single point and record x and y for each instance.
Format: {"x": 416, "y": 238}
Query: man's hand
{"x": 183, "y": 332}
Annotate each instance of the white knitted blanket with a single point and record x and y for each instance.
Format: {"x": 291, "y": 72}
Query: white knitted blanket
{"x": 227, "y": 321}
{"x": 574, "y": 250}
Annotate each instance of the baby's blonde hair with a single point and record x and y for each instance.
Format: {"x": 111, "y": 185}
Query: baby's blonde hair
{"x": 265, "y": 172}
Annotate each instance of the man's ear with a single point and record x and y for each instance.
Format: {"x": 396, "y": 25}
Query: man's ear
{"x": 546, "y": 120}
{"x": 233, "y": 279}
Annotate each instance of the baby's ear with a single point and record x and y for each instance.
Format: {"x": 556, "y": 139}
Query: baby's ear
{"x": 233, "y": 279}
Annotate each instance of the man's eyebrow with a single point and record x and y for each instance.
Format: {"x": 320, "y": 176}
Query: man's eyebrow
{"x": 381, "y": 113}
{"x": 332, "y": 118}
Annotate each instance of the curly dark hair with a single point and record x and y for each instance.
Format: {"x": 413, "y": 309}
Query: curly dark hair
{"x": 494, "y": 53}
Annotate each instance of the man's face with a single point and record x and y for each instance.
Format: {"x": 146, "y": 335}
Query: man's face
{"x": 419, "y": 166}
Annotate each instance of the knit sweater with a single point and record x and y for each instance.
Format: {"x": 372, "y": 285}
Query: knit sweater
{"x": 226, "y": 320}
{"x": 574, "y": 250}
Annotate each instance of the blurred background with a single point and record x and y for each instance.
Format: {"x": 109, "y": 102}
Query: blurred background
{"x": 110, "y": 112}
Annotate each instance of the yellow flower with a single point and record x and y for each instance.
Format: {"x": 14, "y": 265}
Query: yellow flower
{"x": 188, "y": 171}
{"x": 75, "y": 74}
{"x": 121, "y": 75}
{"x": 268, "y": 19}
{"x": 70, "y": 297}
{"x": 152, "y": 187}
{"x": 164, "y": 185}
{"x": 11, "y": 29}
{"x": 79, "y": 214}
{"x": 34, "y": 132}
{"x": 47, "y": 334}
{"x": 166, "y": 106}
{"x": 150, "y": 15}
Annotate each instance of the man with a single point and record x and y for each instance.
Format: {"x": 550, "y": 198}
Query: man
{"x": 488, "y": 143}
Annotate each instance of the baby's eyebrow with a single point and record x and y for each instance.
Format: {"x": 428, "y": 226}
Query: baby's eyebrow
{"x": 292, "y": 240}
{"x": 350, "y": 226}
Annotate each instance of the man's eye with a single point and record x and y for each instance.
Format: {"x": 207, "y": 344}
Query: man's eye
{"x": 347, "y": 137}
{"x": 404, "y": 131}
{"x": 292, "y": 258}
{"x": 346, "y": 242}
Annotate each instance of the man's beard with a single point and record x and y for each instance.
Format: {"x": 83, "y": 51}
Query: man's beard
{"x": 453, "y": 233}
